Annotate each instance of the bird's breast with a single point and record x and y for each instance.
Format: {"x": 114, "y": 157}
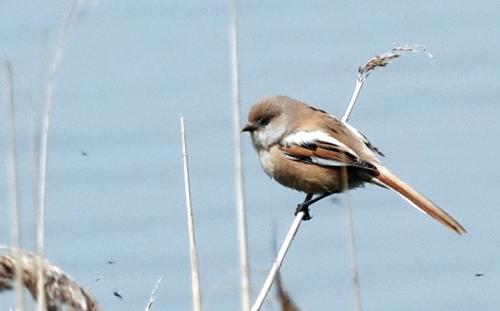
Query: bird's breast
{"x": 266, "y": 161}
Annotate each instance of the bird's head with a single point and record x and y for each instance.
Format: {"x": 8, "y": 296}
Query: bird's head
{"x": 267, "y": 122}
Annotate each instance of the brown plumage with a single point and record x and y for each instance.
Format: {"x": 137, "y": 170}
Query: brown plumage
{"x": 417, "y": 199}
{"x": 306, "y": 149}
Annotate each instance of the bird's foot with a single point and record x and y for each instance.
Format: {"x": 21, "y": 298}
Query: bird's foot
{"x": 303, "y": 207}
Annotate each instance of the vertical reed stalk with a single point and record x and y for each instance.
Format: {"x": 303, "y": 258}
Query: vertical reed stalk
{"x": 353, "y": 262}
{"x": 13, "y": 182}
{"x": 238, "y": 166}
{"x": 354, "y": 98}
{"x": 364, "y": 71}
{"x": 346, "y": 202}
{"x": 42, "y": 156}
{"x": 195, "y": 277}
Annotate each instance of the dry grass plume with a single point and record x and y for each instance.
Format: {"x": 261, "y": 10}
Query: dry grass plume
{"x": 61, "y": 292}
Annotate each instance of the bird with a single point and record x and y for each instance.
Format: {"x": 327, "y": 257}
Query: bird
{"x": 309, "y": 150}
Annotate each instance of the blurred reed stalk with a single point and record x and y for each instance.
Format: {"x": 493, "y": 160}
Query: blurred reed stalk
{"x": 284, "y": 298}
{"x": 195, "y": 277}
{"x": 60, "y": 291}
{"x": 278, "y": 261}
{"x": 351, "y": 241}
{"x": 13, "y": 182}
{"x": 238, "y": 166}
{"x": 44, "y": 137}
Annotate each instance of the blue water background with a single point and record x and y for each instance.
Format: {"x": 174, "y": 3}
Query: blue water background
{"x": 130, "y": 68}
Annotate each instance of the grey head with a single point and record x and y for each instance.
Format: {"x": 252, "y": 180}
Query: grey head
{"x": 270, "y": 119}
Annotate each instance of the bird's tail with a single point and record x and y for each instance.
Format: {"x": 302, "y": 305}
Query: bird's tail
{"x": 417, "y": 200}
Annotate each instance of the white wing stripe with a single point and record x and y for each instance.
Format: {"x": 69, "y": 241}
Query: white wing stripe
{"x": 326, "y": 162}
{"x": 320, "y": 161}
{"x": 305, "y": 137}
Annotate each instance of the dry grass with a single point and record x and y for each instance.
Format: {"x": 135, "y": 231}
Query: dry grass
{"x": 61, "y": 292}
{"x": 285, "y": 300}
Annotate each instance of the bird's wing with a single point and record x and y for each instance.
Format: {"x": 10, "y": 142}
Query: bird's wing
{"x": 319, "y": 148}
{"x": 363, "y": 138}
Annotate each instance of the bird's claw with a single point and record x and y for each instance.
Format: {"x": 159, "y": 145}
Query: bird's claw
{"x": 305, "y": 209}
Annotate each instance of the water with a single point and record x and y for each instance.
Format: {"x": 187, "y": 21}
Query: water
{"x": 131, "y": 68}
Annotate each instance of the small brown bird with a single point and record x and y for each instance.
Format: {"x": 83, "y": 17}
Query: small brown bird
{"x": 307, "y": 149}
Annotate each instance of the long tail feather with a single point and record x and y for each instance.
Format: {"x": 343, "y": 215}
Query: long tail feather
{"x": 417, "y": 200}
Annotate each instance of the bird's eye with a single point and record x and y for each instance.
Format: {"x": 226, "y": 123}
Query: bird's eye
{"x": 264, "y": 121}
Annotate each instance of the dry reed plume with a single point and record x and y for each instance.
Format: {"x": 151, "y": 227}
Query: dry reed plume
{"x": 61, "y": 292}
{"x": 384, "y": 59}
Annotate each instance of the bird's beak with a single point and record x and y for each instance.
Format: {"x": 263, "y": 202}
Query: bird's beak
{"x": 249, "y": 128}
